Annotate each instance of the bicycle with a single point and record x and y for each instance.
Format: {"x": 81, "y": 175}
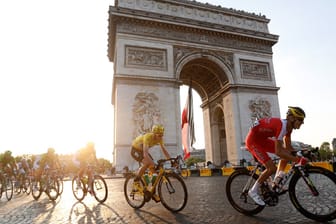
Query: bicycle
{"x": 170, "y": 186}
{"x": 311, "y": 189}
{"x": 80, "y": 188}
{"x": 48, "y": 183}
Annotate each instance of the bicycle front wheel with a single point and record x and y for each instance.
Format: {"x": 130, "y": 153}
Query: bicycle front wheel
{"x": 173, "y": 192}
{"x": 27, "y": 185}
{"x": 237, "y": 187}
{"x": 134, "y": 193}
{"x": 60, "y": 185}
{"x": 314, "y": 195}
{"x": 99, "y": 188}
{"x": 36, "y": 189}
{"x": 52, "y": 189}
{"x": 9, "y": 189}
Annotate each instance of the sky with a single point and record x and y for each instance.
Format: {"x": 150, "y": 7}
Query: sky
{"x": 56, "y": 79}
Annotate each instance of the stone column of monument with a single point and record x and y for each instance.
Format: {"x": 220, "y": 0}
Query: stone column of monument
{"x": 158, "y": 45}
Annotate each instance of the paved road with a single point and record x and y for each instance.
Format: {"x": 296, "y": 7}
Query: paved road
{"x": 207, "y": 204}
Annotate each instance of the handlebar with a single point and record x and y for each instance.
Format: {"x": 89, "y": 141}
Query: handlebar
{"x": 174, "y": 161}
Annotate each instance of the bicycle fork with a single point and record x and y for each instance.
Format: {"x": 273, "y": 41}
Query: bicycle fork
{"x": 169, "y": 185}
{"x": 307, "y": 180}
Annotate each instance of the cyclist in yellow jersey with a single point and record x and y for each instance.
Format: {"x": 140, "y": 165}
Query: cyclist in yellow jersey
{"x": 140, "y": 150}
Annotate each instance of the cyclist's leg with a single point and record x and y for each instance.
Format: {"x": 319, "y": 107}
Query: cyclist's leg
{"x": 259, "y": 151}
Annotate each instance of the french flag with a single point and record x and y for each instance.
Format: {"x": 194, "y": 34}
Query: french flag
{"x": 188, "y": 135}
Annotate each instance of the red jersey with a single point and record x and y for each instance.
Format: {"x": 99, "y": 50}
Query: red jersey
{"x": 269, "y": 128}
{"x": 262, "y": 136}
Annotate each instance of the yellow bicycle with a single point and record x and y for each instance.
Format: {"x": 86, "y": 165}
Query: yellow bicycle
{"x": 170, "y": 186}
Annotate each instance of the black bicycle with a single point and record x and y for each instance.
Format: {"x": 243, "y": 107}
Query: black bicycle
{"x": 311, "y": 189}
{"x": 98, "y": 186}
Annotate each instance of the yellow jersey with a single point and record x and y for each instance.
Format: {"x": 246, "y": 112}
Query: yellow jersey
{"x": 148, "y": 139}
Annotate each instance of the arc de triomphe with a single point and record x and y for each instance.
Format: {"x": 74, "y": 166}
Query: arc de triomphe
{"x": 158, "y": 45}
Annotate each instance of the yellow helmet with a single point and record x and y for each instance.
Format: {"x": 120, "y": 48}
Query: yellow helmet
{"x": 296, "y": 112}
{"x": 158, "y": 129}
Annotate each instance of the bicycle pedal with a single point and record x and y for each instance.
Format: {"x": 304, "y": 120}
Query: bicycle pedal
{"x": 156, "y": 198}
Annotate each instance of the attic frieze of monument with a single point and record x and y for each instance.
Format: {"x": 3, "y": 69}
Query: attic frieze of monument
{"x": 193, "y": 35}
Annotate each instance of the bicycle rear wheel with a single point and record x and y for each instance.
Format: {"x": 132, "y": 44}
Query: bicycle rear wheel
{"x": 99, "y": 187}
{"x": 78, "y": 188}
{"x": 237, "y": 187}
{"x": 134, "y": 195}
{"x": 316, "y": 198}
{"x": 173, "y": 192}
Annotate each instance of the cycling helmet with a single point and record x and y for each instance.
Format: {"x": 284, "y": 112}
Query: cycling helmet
{"x": 296, "y": 112}
{"x": 158, "y": 129}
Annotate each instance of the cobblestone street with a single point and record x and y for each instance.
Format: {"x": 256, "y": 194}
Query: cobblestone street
{"x": 207, "y": 203}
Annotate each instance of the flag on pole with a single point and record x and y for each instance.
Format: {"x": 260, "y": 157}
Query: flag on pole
{"x": 188, "y": 135}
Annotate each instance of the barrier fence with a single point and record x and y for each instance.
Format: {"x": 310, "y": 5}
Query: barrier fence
{"x": 226, "y": 171}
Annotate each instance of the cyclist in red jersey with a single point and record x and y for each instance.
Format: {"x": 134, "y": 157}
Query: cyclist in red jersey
{"x": 273, "y": 135}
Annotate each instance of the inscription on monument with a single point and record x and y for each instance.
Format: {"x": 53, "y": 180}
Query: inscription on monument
{"x": 255, "y": 70}
{"x": 146, "y": 58}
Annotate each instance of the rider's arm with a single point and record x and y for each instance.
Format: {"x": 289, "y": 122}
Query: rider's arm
{"x": 164, "y": 150}
{"x": 288, "y": 143}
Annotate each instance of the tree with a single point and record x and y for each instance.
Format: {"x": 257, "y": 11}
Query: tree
{"x": 325, "y": 151}
{"x": 193, "y": 160}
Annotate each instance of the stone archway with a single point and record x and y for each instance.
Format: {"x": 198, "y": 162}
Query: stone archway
{"x": 158, "y": 45}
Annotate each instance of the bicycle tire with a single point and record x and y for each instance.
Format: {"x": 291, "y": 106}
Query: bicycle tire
{"x": 60, "y": 185}
{"x": 9, "y": 189}
{"x": 173, "y": 192}
{"x": 36, "y": 189}
{"x": 134, "y": 197}
{"x": 78, "y": 191}
{"x": 308, "y": 204}
{"x": 52, "y": 189}
{"x": 1, "y": 186}
{"x": 99, "y": 187}
{"x": 27, "y": 185}
{"x": 236, "y": 195}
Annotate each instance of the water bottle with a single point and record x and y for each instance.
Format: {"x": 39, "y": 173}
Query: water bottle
{"x": 147, "y": 179}
{"x": 154, "y": 176}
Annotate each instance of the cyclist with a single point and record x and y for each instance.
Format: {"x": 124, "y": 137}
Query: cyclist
{"x": 8, "y": 163}
{"x": 273, "y": 135}
{"x": 82, "y": 158}
{"x": 48, "y": 160}
{"x": 140, "y": 152}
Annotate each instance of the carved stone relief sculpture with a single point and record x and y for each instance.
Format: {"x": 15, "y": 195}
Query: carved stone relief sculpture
{"x": 255, "y": 70}
{"x": 149, "y": 58}
{"x": 146, "y": 112}
{"x": 259, "y": 108}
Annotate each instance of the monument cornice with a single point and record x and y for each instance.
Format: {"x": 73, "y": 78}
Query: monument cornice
{"x": 138, "y": 78}
{"x": 173, "y": 28}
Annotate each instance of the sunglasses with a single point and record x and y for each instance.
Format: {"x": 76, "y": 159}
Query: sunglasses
{"x": 300, "y": 119}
